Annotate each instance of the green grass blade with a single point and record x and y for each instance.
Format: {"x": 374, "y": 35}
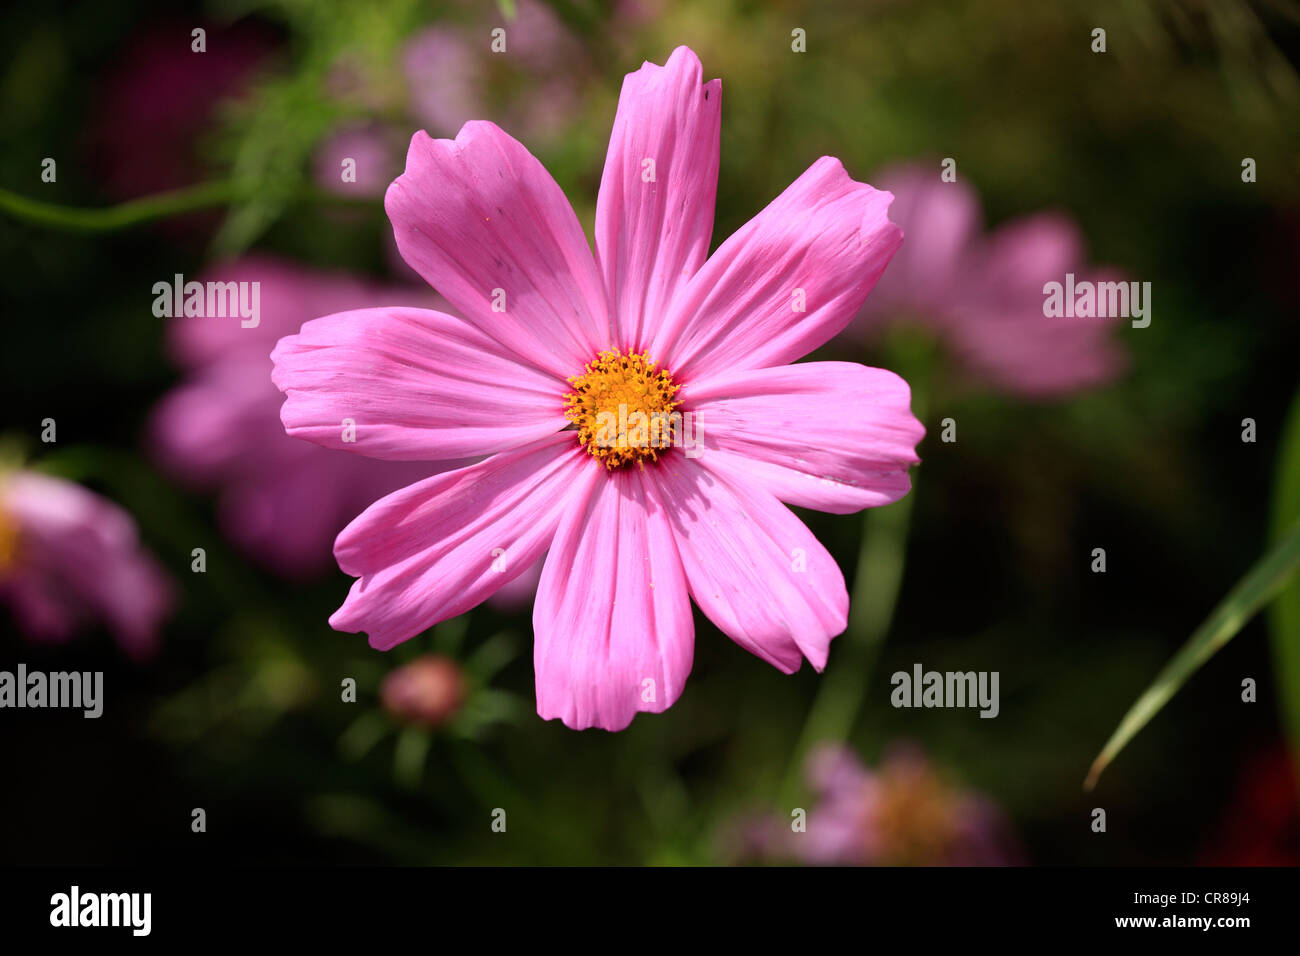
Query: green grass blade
{"x": 1260, "y": 585}
{"x": 1284, "y": 614}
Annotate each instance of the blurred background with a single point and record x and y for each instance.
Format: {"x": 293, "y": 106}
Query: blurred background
{"x": 224, "y": 688}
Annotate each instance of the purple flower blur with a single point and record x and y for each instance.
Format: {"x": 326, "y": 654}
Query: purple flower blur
{"x": 901, "y": 813}
{"x": 69, "y": 559}
{"x": 282, "y": 500}
{"x": 982, "y": 294}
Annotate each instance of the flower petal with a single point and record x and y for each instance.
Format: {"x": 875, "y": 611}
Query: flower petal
{"x": 835, "y": 436}
{"x": 613, "y": 626}
{"x": 753, "y": 567}
{"x": 485, "y": 224}
{"x": 439, "y": 547}
{"x": 786, "y": 282}
{"x": 652, "y": 236}
{"x": 416, "y": 384}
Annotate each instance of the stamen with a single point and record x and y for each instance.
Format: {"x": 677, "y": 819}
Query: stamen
{"x": 624, "y": 408}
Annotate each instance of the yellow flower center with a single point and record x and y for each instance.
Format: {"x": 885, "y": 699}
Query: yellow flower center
{"x": 624, "y": 409}
{"x": 8, "y": 542}
{"x": 917, "y": 816}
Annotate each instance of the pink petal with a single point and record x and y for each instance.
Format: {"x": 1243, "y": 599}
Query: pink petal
{"x": 419, "y": 385}
{"x": 286, "y": 508}
{"x": 426, "y": 553}
{"x": 651, "y": 237}
{"x": 835, "y": 436}
{"x": 612, "y": 621}
{"x": 753, "y": 567}
{"x": 519, "y": 593}
{"x": 41, "y": 606}
{"x": 479, "y": 214}
{"x": 825, "y": 235}
{"x": 288, "y": 295}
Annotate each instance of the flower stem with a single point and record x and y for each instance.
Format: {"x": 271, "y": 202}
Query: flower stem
{"x": 136, "y": 211}
{"x": 157, "y": 206}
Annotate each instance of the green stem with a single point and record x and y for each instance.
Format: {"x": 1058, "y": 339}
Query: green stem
{"x": 136, "y": 211}
{"x": 1262, "y": 583}
{"x": 157, "y": 206}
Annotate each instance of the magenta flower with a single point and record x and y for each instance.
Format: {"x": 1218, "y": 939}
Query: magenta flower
{"x": 281, "y": 501}
{"x": 69, "y": 558}
{"x": 900, "y": 813}
{"x": 554, "y": 345}
{"x": 983, "y": 296}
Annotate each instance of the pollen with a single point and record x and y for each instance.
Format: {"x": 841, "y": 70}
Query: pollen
{"x": 623, "y": 409}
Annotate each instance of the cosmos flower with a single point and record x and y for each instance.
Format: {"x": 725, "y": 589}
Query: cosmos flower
{"x": 900, "y": 813}
{"x": 281, "y": 501}
{"x": 69, "y": 559}
{"x": 982, "y": 294}
{"x": 552, "y": 346}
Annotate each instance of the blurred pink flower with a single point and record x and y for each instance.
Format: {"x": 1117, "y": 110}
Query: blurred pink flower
{"x": 281, "y": 500}
{"x": 450, "y": 69}
{"x": 443, "y": 77}
{"x": 69, "y": 558}
{"x": 373, "y": 156}
{"x": 982, "y": 294}
{"x": 549, "y": 339}
{"x": 428, "y": 691}
{"x": 902, "y": 813}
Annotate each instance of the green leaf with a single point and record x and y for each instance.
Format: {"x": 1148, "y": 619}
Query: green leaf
{"x": 409, "y": 758}
{"x": 1260, "y": 585}
{"x": 1284, "y": 615}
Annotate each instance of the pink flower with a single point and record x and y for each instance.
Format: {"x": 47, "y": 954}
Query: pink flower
{"x": 69, "y": 558}
{"x": 282, "y": 501}
{"x": 551, "y": 343}
{"x": 372, "y": 161}
{"x": 983, "y": 294}
{"x": 902, "y": 813}
{"x": 449, "y": 67}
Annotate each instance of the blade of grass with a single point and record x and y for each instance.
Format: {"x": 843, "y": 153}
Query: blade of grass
{"x": 1284, "y": 614}
{"x": 1260, "y": 585}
